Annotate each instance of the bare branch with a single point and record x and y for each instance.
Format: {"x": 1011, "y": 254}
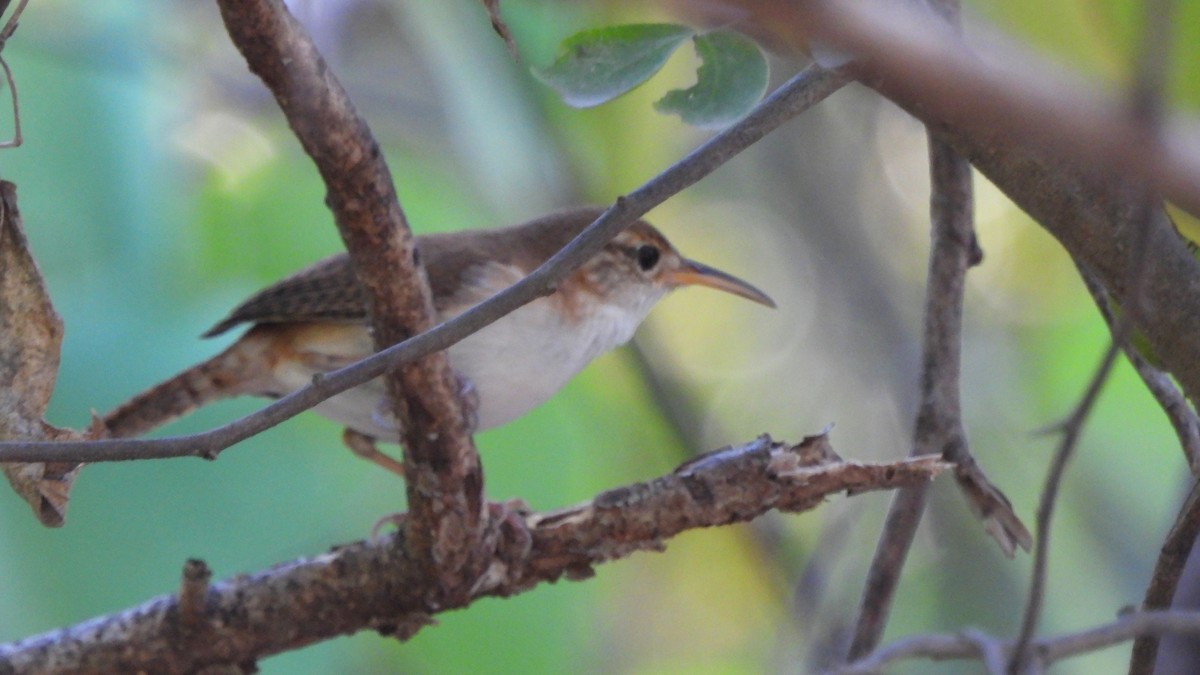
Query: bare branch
{"x": 445, "y": 481}
{"x": 1179, "y": 412}
{"x": 799, "y": 94}
{"x": 1058, "y": 149}
{"x": 1168, "y": 570}
{"x": 1005, "y": 94}
{"x": 14, "y": 20}
{"x": 501, "y": 28}
{"x": 1146, "y": 112}
{"x": 1072, "y": 428}
{"x": 10, "y": 27}
{"x": 938, "y": 427}
{"x": 376, "y": 584}
{"x": 973, "y": 645}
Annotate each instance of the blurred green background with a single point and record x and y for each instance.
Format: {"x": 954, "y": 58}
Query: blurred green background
{"x": 160, "y": 186}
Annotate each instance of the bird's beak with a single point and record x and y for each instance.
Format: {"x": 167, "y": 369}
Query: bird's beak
{"x": 692, "y": 273}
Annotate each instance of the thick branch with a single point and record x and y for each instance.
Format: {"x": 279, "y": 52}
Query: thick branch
{"x": 445, "y": 480}
{"x": 803, "y": 91}
{"x": 1056, "y": 148}
{"x": 376, "y": 584}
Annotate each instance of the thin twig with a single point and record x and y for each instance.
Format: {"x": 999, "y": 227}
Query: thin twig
{"x": 800, "y": 93}
{"x": 974, "y": 645}
{"x": 938, "y": 427}
{"x": 1072, "y": 428}
{"x": 991, "y": 651}
{"x": 9, "y": 28}
{"x": 376, "y": 584}
{"x": 1174, "y": 404}
{"x": 1179, "y": 542}
{"x": 1147, "y": 103}
{"x": 1146, "y": 113}
{"x": 1168, "y": 570}
{"x": 1186, "y": 423}
{"x": 193, "y": 595}
{"x": 17, "y": 139}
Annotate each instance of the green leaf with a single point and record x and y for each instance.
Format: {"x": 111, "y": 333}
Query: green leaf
{"x": 731, "y": 79}
{"x": 596, "y": 66}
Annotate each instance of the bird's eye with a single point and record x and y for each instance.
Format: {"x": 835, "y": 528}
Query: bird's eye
{"x": 647, "y": 257}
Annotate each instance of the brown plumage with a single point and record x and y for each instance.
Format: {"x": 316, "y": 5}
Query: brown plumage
{"x": 328, "y": 290}
{"x": 315, "y": 321}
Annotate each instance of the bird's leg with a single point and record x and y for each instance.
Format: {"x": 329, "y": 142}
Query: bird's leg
{"x": 364, "y": 446}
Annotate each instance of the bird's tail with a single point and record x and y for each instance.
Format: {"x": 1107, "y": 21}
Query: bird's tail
{"x": 230, "y": 373}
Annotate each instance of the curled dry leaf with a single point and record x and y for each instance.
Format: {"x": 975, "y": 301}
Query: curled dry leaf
{"x": 992, "y": 507}
{"x": 30, "y": 340}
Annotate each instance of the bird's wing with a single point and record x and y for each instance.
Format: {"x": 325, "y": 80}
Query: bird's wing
{"x": 328, "y": 290}
{"x": 324, "y": 291}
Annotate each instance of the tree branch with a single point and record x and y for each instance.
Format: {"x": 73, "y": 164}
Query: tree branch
{"x": 938, "y": 426}
{"x": 940, "y": 647}
{"x": 444, "y": 477}
{"x": 1179, "y": 412}
{"x": 1168, "y": 569}
{"x": 806, "y": 89}
{"x": 1072, "y": 428}
{"x": 376, "y": 584}
{"x": 1058, "y": 149}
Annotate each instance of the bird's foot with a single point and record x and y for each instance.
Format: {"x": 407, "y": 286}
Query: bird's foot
{"x": 364, "y": 446}
{"x": 394, "y": 519}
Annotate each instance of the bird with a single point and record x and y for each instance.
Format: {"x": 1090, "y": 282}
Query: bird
{"x": 315, "y": 321}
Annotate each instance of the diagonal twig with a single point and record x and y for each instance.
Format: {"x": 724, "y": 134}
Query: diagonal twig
{"x": 1174, "y": 404}
{"x": 1177, "y": 546}
{"x": 10, "y": 27}
{"x": 1072, "y": 427}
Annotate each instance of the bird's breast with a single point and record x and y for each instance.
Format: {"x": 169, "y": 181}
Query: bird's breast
{"x": 521, "y": 360}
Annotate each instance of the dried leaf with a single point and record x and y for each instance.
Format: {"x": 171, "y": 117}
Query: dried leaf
{"x": 993, "y": 508}
{"x": 30, "y": 341}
